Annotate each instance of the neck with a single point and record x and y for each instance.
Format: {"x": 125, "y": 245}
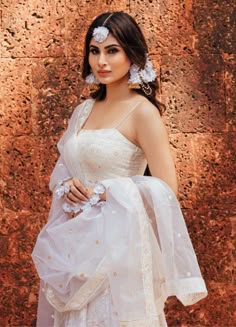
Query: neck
{"x": 118, "y": 91}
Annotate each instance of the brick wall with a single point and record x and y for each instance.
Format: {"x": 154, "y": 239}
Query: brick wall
{"x": 191, "y": 45}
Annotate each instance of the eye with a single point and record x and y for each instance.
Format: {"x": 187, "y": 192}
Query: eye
{"x": 93, "y": 51}
{"x": 112, "y": 50}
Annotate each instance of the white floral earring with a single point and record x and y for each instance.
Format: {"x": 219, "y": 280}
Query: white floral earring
{"x": 139, "y": 78}
{"x": 91, "y": 79}
{"x": 134, "y": 78}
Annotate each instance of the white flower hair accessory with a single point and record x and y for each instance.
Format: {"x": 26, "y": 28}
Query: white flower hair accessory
{"x": 139, "y": 78}
{"x": 100, "y": 33}
{"x": 146, "y": 75}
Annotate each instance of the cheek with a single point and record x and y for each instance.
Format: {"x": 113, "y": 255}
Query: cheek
{"x": 123, "y": 62}
{"x": 126, "y": 65}
{"x": 91, "y": 61}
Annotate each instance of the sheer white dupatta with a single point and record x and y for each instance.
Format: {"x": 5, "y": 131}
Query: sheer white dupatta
{"x": 60, "y": 172}
{"x": 137, "y": 243}
{"x": 63, "y": 169}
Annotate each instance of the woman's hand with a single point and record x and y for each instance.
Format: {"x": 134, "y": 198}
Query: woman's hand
{"x": 78, "y": 192}
{"x": 103, "y": 196}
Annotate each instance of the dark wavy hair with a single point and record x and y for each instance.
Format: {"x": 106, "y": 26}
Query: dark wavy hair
{"x": 130, "y": 37}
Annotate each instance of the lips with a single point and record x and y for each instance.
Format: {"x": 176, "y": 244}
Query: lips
{"x": 103, "y": 72}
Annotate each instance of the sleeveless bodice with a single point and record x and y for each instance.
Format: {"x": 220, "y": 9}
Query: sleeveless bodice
{"x": 103, "y": 154}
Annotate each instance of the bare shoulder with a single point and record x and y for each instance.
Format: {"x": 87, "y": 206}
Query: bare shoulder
{"x": 149, "y": 126}
{"x": 147, "y": 115}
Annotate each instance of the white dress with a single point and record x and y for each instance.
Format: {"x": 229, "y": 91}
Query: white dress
{"x": 105, "y": 155}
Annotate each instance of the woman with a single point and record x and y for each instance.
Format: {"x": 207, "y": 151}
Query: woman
{"x": 116, "y": 245}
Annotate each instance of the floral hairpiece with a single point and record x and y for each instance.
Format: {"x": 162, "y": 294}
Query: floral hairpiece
{"x": 100, "y": 33}
{"x": 140, "y": 78}
{"x": 145, "y": 75}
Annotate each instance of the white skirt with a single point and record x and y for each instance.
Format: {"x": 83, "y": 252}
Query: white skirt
{"x": 98, "y": 313}
{"x": 136, "y": 252}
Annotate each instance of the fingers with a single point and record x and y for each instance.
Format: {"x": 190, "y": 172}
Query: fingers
{"x": 81, "y": 188}
{"x": 76, "y": 195}
{"x": 78, "y": 192}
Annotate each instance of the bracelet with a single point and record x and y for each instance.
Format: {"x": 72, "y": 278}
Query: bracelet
{"x": 94, "y": 200}
{"x": 62, "y": 188}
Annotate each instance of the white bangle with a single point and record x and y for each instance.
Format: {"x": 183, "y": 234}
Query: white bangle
{"x": 62, "y": 188}
{"x": 93, "y": 200}
{"x": 97, "y": 191}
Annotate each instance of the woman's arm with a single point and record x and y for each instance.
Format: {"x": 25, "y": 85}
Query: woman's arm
{"x": 152, "y": 137}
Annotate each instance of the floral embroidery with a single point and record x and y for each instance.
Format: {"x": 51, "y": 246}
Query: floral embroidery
{"x": 146, "y": 261}
{"x": 81, "y": 297}
{"x": 83, "y": 114}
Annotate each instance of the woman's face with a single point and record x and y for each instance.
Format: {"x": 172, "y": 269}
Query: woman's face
{"x": 108, "y": 61}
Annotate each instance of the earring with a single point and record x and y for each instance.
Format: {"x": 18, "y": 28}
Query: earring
{"x": 139, "y": 78}
{"x": 134, "y": 78}
{"x": 134, "y": 86}
{"x": 146, "y": 88}
{"x": 93, "y": 82}
{"x": 91, "y": 79}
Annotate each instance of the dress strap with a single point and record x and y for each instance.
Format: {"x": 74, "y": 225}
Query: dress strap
{"x": 126, "y": 116}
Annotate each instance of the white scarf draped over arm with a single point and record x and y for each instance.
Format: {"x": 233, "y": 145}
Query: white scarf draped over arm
{"x": 137, "y": 243}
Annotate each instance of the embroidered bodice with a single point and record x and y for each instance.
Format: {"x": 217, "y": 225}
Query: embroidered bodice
{"x": 101, "y": 154}
{"x": 94, "y": 265}
{"x": 104, "y": 154}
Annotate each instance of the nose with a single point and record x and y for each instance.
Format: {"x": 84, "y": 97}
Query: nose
{"x": 102, "y": 60}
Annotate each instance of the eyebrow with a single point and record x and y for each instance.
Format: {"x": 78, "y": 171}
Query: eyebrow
{"x": 108, "y": 46}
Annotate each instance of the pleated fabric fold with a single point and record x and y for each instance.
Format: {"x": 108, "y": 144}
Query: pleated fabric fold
{"x": 137, "y": 243}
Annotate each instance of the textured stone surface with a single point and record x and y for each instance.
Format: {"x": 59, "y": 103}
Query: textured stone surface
{"x": 15, "y": 96}
{"x": 212, "y": 236}
{"x": 201, "y": 314}
{"x": 215, "y": 26}
{"x": 18, "y": 279}
{"x": 230, "y": 87}
{"x": 183, "y": 150}
{"x": 33, "y": 28}
{"x": 56, "y": 91}
{"x": 193, "y": 50}
{"x": 21, "y": 169}
{"x": 211, "y": 232}
{"x": 216, "y": 169}
{"x": 167, "y": 24}
{"x": 193, "y": 92}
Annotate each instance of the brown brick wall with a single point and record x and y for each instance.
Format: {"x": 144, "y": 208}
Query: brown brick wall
{"x": 192, "y": 44}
